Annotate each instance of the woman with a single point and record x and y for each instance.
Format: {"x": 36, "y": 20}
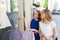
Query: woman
{"x": 34, "y": 26}
{"x": 47, "y": 26}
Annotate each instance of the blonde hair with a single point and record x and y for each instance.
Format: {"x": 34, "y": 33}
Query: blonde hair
{"x": 48, "y": 14}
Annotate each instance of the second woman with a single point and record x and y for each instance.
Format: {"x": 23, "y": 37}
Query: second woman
{"x": 34, "y": 25}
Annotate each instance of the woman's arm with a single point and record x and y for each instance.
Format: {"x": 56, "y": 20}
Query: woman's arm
{"x": 41, "y": 34}
{"x": 55, "y": 31}
{"x": 31, "y": 25}
{"x": 34, "y": 30}
{"x": 39, "y": 31}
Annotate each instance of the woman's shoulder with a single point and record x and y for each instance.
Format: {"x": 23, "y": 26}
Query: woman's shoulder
{"x": 32, "y": 19}
{"x": 53, "y": 23}
{"x": 40, "y": 22}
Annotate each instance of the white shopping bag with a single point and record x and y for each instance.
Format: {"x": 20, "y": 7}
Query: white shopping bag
{"x": 28, "y": 35}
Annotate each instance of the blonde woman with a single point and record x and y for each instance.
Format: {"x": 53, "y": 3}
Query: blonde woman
{"x": 47, "y": 26}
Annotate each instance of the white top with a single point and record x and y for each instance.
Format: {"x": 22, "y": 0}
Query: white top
{"x": 4, "y": 21}
{"x": 47, "y": 29}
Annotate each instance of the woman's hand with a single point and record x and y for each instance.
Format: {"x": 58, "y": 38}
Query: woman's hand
{"x": 47, "y": 38}
{"x": 34, "y": 30}
{"x": 44, "y": 38}
{"x": 51, "y": 37}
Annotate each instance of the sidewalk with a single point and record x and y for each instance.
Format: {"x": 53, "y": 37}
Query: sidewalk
{"x": 56, "y": 18}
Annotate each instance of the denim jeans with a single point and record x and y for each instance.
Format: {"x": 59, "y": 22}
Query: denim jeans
{"x": 4, "y": 35}
{"x": 1, "y": 33}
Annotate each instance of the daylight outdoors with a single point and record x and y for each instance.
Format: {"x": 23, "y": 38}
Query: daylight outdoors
{"x": 20, "y": 12}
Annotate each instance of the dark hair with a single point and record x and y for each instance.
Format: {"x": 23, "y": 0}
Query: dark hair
{"x": 39, "y": 15}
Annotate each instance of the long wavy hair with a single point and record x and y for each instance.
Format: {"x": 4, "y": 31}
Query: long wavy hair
{"x": 39, "y": 15}
{"x": 48, "y": 14}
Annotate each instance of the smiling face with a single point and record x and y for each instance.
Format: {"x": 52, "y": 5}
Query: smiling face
{"x": 43, "y": 15}
{"x": 46, "y": 14}
{"x": 36, "y": 15}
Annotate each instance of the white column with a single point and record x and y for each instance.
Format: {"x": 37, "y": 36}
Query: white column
{"x": 51, "y": 4}
{"x": 28, "y": 10}
{"x": 8, "y": 5}
{"x": 20, "y": 16}
{"x": 4, "y": 20}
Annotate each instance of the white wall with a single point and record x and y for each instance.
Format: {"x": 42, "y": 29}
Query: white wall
{"x": 8, "y": 5}
{"x": 28, "y": 5}
{"x": 53, "y": 4}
